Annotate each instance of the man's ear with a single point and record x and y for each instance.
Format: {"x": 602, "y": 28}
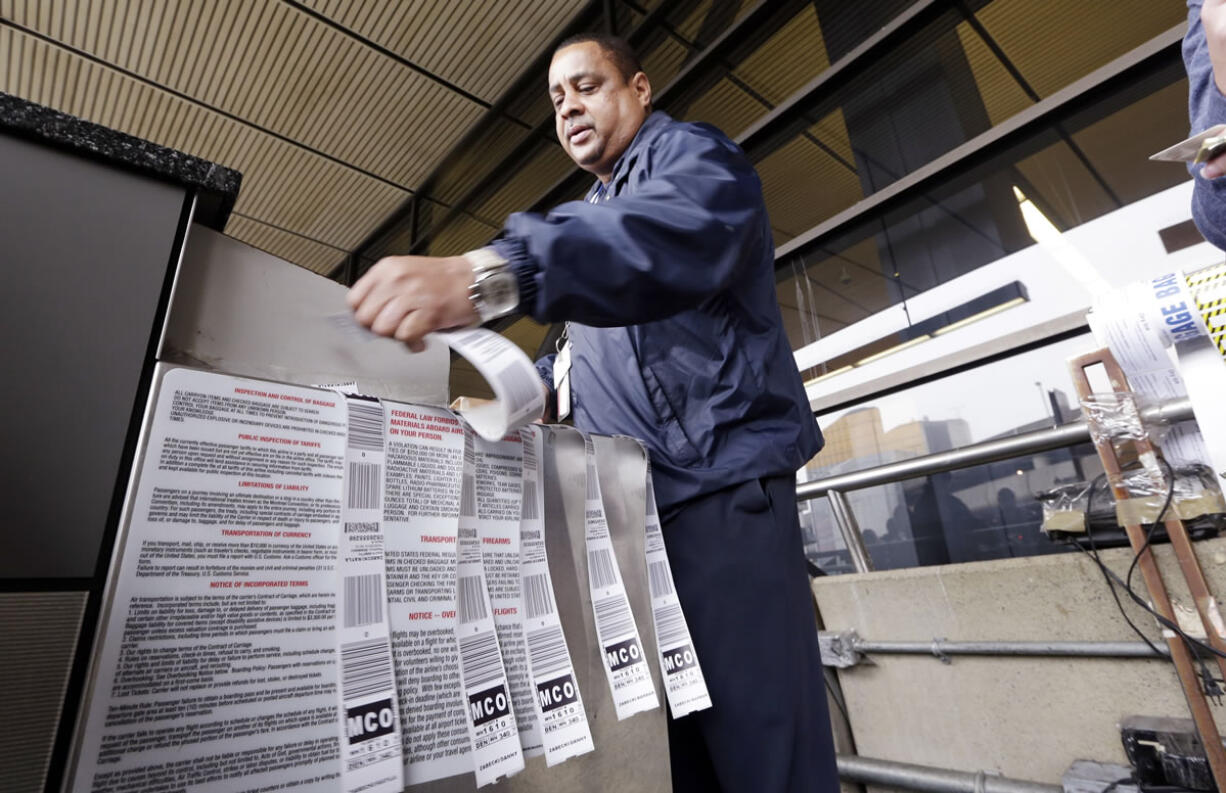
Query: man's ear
{"x": 642, "y": 88}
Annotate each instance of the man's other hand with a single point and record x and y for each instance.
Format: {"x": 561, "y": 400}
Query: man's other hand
{"x": 1215, "y": 167}
{"x": 406, "y": 297}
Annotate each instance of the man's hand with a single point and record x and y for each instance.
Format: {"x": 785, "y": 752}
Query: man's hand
{"x": 1215, "y": 167}
{"x": 406, "y": 297}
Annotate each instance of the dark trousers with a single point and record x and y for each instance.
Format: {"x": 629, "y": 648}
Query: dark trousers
{"x": 738, "y": 563}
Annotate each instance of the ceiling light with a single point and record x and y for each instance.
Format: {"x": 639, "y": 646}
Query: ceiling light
{"x": 819, "y": 378}
{"x": 892, "y": 350}
{"x": 981, "y": 315}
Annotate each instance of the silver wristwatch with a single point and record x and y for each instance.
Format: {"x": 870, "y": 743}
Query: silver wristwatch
{"x": 494, "y": 291}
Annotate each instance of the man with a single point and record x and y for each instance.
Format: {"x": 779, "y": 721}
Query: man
{"x": 665, "y": 274}
{"x": 1204, "y": 55}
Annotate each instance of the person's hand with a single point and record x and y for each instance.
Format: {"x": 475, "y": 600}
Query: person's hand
{"x": 1213, "y": 18}
{"x": 406, "y": 297}
{"x": 1215, "y": 167}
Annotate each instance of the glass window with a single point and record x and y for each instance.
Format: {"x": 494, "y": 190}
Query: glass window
{"x": 1074, "y": 172}
{"x": 985, "y": 512}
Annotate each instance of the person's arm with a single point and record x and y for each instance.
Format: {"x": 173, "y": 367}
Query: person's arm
{"x": 679, "y": 238}
{"x": 1204, "y": 55}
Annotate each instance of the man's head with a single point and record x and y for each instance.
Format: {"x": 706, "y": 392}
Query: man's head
{"x": 600, "y": 99}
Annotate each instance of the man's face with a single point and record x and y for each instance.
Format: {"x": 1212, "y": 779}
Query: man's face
{"x": 597, "y": 111}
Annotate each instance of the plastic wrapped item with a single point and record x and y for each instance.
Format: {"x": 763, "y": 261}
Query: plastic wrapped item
{"x": 1065, "y": 508}
{"x": 1148, "y": 490}
{"x": 1197, "y": 500}
{"x": 1116, "y": 417}
{"x": 1197, "y": 493}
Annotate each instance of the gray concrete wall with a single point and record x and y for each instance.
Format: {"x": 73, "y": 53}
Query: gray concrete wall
{"x": 1027, "y": 718}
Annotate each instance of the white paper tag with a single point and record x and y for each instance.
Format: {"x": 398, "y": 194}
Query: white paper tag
{"x": 492, "y": 731}
{"x": 625, "y": 663}
{"x": 516, "y": 383}
{"x": 683, "y": 681}
{"x": 1185, "y": 150}
{"x": 1139, "y": 324}
{"x": 371, "y": 757}
{"x": 499, "y": 484}
{"x": 558, "y": 701}
{"x": 421, "y": 504}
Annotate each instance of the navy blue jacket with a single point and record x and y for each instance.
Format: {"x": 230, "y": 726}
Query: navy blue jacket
{"x": 1206, "y": 108}
{"x": 669, "y": 286}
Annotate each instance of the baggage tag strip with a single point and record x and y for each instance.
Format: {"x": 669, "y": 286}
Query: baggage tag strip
{"x": 492, "y": 730}
{"x": 683, "y": 681}
{"x": 621, "y": 648}
{"x": 557, "y": 701}
{"x": 372, "y": 759}
{"x": 499, "y": 488}
{"x": 421, "y": 507}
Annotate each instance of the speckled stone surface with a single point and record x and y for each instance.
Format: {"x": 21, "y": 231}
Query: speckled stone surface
{"x": 216, "y": 186}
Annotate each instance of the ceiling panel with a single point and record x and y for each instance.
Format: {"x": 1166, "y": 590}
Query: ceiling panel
{"x": 1001, "y": 94}
{"x": 479, "y": 46}
{"x": 269, "y": 63}
{"x": 536, "y": 176}
{"x": 1052, "y": 50}
{"x": 304, "y": 252}
{"x": 803, "y": 185}
{"x": 463, "y": 234}
{"x": 283, "y": 184}
{"x": 789, "y": 59}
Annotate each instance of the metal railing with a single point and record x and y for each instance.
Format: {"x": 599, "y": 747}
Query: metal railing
{"x": 835, "y": 487}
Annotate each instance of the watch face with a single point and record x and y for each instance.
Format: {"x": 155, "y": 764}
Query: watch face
{"x": 500, "y": 292}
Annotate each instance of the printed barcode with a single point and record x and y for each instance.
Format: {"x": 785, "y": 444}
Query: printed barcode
{"x": 593, "y": 486}
{"x": 366, "y": 668}
{"x": 470, "y": 455}
{"x": 472, "y": 599}
{"x": 362, "y": 527}
{"x": 547, "y": 650}
{"x": 468, "y": 497}
{"x": 363, "y": 600}
{"x": 530, "y": 510}
{"x": 529, "y": 450}
{"x": 523, "y": 386}
{"x": 601, "y": 568}
{"x": 364, "y": 485}
{"x": 365, "y": 426}
{"x": 659, "y": 579}
{"x": 670, "y": 625}
{"x": 480, "y": 659}
{"x": 613, "y": 617}
{"x": 538, "y": 599}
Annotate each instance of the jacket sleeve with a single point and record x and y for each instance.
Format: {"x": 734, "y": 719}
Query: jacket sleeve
{"x": 672, "y": 240}
{"x": 1206, "y": 107}
{"x": 544, "y": 368}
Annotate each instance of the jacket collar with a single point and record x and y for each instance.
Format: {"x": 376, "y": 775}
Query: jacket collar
{"x": 647, "y": 131}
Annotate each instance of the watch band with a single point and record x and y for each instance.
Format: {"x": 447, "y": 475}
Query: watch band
{"x": 494, "y": 291}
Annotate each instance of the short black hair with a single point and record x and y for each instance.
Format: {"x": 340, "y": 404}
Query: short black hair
{"x": 616, "y": 48}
